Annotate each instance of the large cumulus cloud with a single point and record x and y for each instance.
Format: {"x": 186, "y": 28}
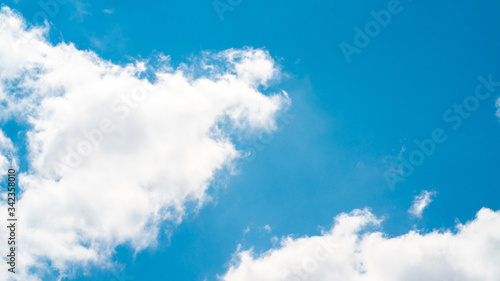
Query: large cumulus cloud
{"x": 115, "y": 150}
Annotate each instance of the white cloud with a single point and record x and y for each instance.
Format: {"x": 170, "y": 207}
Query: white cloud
{"x": 108, "y": 11}
{"x": 421, "y": 202}
{"x": 82, "y": 9}
{"x": 7, "y": 155}
{"x": 350, "y": 252}
{"x": 112, "y": 155}
{"x": 267, "y": 228}
{"x": 246, "y": 230}
{"x": 275, "y": 240}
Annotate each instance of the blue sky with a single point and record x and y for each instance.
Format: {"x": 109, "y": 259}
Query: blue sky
{"x": 347, "y": 124}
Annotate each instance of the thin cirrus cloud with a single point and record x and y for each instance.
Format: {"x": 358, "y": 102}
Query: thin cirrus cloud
{"x": 112, "y": 155}
{"x": 421, "y": 202}
{"x": 352, "y": 252}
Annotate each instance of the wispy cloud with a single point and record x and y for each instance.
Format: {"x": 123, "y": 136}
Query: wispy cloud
{"x": 267, "y": 228}
{"x": 246, "y": 230}
{"x": 108, "y": 11}
{"x": 421, "y": 202}
{"x": 82, "y": 9}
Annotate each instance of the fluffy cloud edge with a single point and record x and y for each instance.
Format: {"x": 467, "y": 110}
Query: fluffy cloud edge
{"x": 351, "y": 252}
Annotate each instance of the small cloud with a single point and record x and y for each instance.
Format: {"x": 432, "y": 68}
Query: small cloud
{"x": 267, "y": 228}
{"x": 246, "y": 230}
{"x": 421, "y": 202}
{"x": 81, "y": 9}
{"x": 108, "y": 11}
